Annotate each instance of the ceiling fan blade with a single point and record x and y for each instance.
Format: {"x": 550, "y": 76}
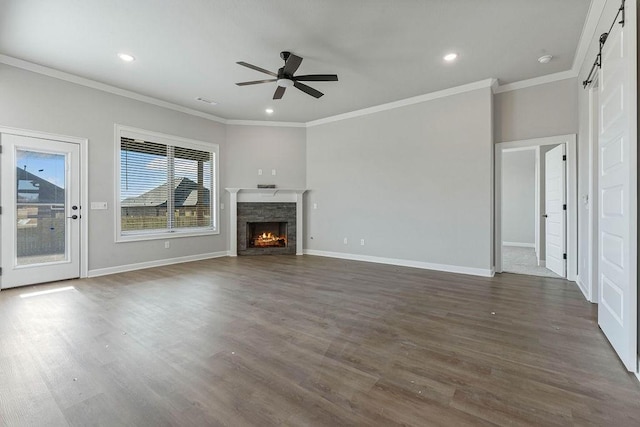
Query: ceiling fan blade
{"x": 255, "y": 82}
{"x": 317, "y": 78}
{"x": 308, "y": 90}
{"x": 279, "y": 92}
{"x": 254, "y": 67}
{"x": 292, "y": 64}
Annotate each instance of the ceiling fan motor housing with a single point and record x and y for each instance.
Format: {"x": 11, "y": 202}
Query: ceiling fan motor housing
{"x": 285, "y": 55}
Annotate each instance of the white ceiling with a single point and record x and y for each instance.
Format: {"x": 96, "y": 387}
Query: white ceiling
{"x": 382, "y": 50}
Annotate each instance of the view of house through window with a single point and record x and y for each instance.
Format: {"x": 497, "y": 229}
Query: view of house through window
{"x": 165, "y": 187}
{"x": 40, "y": 207}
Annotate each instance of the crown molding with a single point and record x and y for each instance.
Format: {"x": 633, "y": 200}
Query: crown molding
{"x": 266, "y": 123}
{"x": 72, "y": 78}
{"x": 482, "y": 84}
{"x": 596, "y": 8}
{"x": 549, "y": 78}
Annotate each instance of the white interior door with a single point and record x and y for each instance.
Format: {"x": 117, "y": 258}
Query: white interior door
{"x": 617, "y": 174}
{"x": 555, "y": 210}
{"x": 40, "y": 210}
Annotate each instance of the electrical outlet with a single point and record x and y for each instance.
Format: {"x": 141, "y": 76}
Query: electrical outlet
{"x": 222, "y": 206}
{"x": 259, "y": 171}
{"x": 361, "y": 242}
{"x": 167, "y": 245}
{"x": 315, "y": 206}
{"x": 273, "y": 172}
{"x": 345, "y": 241}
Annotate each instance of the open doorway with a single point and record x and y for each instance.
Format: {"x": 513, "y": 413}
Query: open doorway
{"x": 524, "y": 218}
{"x": 526, "y": 190}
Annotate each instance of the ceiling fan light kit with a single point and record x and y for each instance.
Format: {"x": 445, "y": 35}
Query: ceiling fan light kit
{"x": 285, "y": 82}
{"x": 285, "y": 78}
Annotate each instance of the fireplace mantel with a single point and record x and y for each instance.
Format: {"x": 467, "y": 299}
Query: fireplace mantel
{"x": 263, "y": 195}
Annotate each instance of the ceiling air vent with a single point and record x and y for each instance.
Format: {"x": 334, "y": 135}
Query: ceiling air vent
{"x": 206, "y": 101}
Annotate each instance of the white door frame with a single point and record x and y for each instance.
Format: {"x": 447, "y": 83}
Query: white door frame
{"x": 592, "y": 201}
{"x": 84, "y": 188}
{"x": 572, "y": 192}
{"x": 537, "y": 214}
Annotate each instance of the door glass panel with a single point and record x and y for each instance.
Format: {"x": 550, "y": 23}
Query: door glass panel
{"x": 40, "y": 219}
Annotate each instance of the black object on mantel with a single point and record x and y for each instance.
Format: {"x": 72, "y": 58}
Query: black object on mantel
{"x": 266, "y": 186}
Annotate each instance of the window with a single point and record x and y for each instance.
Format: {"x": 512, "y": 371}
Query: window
{"x": 167, "y": 185}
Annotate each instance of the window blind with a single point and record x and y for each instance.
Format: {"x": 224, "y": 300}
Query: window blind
{"x": 165, "y": 187}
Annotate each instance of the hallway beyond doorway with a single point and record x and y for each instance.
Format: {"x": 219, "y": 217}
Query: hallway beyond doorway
{"x": 523, "y": 261}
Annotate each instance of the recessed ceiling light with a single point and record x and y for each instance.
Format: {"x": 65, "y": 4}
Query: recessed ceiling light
{"x": 269, "y": 111}
{"x": 206, "y": 101}
{"x": 545, "y": 59}
{"x": 126, "y": 57}
{"x": 450, "y": 57}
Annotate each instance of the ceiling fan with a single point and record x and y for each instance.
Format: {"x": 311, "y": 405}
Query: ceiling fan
{"x": 285, "y": 77}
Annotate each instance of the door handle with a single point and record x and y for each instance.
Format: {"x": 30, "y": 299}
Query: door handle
{"x": 73, "y": 217}
{"x": 544, "y": 215}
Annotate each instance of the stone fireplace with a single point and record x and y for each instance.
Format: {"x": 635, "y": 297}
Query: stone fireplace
{"x": 266, "y": 228}
{"x": 265, "y": 221}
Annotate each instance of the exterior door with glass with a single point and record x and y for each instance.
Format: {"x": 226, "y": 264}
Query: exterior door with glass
{"x": 40, "y": 210}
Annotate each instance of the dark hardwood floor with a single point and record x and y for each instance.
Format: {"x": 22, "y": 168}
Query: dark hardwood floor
{"x": 286, "y": 340}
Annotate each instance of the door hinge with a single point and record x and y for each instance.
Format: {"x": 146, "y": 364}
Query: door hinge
{"x": 0, "y": 210}
{"x": 564, "y": 256}
{"x": 564, "y": 157}
{"x": 564, "y": 207}
{"x": 0, "y": 271}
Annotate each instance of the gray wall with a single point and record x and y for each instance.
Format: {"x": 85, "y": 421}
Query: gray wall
{"x": 250, "y": 148}
{"x": 414, "y": 182}
{"x": 544, "y": 110}
{"x": 36, "y": 102}
{"x": 518, "y": 196}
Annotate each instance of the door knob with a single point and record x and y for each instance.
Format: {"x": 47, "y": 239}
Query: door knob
{"x": 544, "y": 215}
{"x": 73, "y": 217}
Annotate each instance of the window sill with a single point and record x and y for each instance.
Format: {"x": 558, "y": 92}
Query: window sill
{"x": 124, "y": 238}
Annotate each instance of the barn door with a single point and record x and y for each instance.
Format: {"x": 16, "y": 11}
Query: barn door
{"x": 617, "y": 308}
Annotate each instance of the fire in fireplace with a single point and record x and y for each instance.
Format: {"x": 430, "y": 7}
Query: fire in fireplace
{"x": 266, "y": 235}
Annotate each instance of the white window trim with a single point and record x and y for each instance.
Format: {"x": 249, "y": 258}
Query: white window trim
{"x": 161, "y": 138}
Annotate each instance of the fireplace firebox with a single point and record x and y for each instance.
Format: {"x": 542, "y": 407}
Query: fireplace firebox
{"x": 266, "y": 235}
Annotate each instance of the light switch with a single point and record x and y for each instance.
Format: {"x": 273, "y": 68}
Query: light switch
{"x": 98, "y": 206}
{"x": 259, "y": 171}
{"x": 273, "y": 172}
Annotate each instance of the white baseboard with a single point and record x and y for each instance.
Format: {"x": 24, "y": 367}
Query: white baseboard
{"x": 583, "y": 288}
{"x": 156, "y": 263}
{"x": 405, "y": 263}
{"x": 519, "y": 244}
